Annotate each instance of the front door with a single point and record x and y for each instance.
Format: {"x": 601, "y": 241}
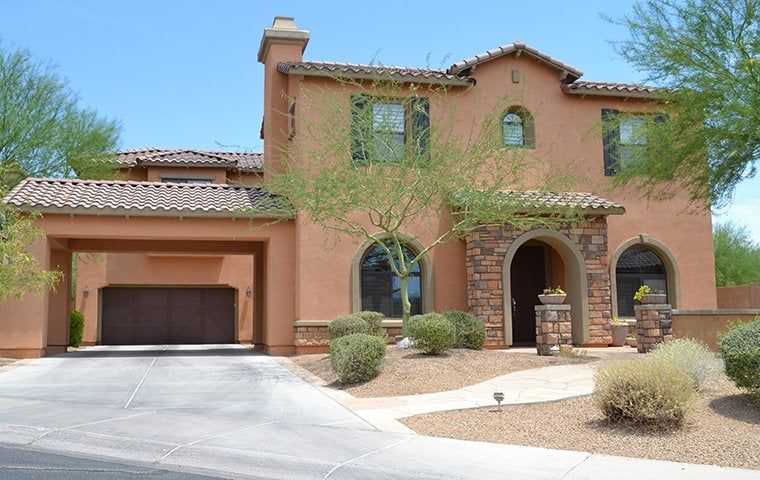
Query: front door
{"x": 528, "y": 279}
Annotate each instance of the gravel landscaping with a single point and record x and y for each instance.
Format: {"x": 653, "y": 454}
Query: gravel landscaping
{"x": 406, "y": 372}
{"x": 7, "y": 361}
{"x": 723, "y": 429}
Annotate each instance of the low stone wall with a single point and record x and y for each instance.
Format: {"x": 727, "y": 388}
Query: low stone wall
{"x": 653, "y": 325}
{"x": 707, "y": 325}
{"x": 554, "y": 326}
{"x": 313, "y": 336}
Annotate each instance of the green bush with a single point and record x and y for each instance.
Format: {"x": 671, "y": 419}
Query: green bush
{"x": 470, "y": 332}
{"x": 649, "y": 392}
{"x": 76, "y": 328}
{"x": 433, "y": 334}
{"x": 374, "y": 322}
{"x": 357, "y": 357}
{"x": 347, "y": 325}
{"x": 692, "y": 356}
{"x": 407, "y": 326}
{"x": 740, "y": 348}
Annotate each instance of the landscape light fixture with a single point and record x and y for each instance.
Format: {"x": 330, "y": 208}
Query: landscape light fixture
{"x": 499, "y": 397}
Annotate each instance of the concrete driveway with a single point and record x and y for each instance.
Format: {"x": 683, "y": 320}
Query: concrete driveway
{"x": 226, "y": 412}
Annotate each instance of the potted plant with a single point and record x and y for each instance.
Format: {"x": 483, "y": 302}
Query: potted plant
{"x": 646, "y": 295}
{"x": 553, "y": 296}
{"x": 619, "y": 332}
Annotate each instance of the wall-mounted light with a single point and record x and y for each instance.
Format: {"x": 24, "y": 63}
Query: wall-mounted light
{"x": 85, "y": 293}
{"x": 248, "y": 292}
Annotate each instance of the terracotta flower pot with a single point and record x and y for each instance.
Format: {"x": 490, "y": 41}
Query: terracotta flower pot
{"x": 654, "y": 298}
{"x": 619, "y": 332}
{"x": 552, "y": 298}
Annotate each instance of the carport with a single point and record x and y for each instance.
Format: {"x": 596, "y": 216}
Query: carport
{"x": 143, "y": 217}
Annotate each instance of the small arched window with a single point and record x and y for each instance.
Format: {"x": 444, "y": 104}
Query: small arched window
{"x": 517, "y": 128}
{"x": 513, "y": 130}
{"x": 381, "y": 288}
{"x": 637, "y": 266}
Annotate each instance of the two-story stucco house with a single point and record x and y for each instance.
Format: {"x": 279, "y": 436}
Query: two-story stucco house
{"x": 177, "y": 262}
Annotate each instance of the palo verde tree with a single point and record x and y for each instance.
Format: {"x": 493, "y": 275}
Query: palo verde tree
{"x": 706, "y": 56}
{"x": 43, "y": 133}
{"x": 384, "y": 162}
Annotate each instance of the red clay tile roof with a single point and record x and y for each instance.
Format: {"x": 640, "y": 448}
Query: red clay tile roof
{"x": 243, "y": 161}
{"x": 515, "y": 47}
{"x": 586, "y": 202}
{"x": 611, "y": 89}
{"x": 356, "y": 70}
{"x": 99, "y": 197}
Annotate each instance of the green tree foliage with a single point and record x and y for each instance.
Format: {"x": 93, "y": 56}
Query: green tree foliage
{"x": 737, "y": 256}
{"x": 350, "y": 173}
{"x": 706, "y": 55}
{"x": 43, "y": 133}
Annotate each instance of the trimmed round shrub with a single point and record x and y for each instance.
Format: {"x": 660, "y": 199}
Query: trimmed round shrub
{"x": 692, "y": 356}
{"x": 470, "y": 332}
{"x": 347, "y": 325}
{"x": 357, "y": 357}
{"x": 649, "y": 392}
{"x": 433, "y": 334}
{"x": 740, "y": 348}
{"x": 408, "y": 326}
{"x": 374, "y": 322}
{"x": 76, "y": 328}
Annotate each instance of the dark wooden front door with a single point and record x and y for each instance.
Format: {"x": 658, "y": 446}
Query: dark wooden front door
{"x": 528, "y": 279}
{"x": 167, "y": 315}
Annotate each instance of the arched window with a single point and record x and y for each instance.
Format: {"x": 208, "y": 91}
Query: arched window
{"x": 381, "y": 288}
{"x": 517, "y": 128}
{"x": 637, "y": 266}
{"x": 513, "y": 130}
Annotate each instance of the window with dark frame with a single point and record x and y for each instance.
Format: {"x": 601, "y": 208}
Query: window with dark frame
{"x": 512, "y": 130}
{"x": 637, "y": 266}
{"x": 381, "y": 288}
{"x": 624, "y": 137}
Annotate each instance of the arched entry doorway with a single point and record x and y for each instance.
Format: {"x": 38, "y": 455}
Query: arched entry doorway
{"x": 537, "y": 260}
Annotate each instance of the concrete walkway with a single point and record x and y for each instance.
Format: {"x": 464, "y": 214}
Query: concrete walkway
{"x": 545, "y": 384}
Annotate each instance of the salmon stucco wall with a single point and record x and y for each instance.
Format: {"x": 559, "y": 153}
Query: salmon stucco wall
{"x": 96, "y": 271}
{"x": 567, "y": 142}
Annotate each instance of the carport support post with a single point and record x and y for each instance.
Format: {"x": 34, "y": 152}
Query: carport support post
{"x": 24, "y": 321}
{"x": 59, "y": 303}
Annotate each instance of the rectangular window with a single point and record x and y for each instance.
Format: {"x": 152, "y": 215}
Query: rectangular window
{"x": 389, "y": 130}
{"x": 633, "y": 138}
{"x": 186, "y": 180}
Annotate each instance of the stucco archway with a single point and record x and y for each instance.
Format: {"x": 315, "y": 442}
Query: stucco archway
{"x": 425, "y": 265}
{"x": 575, "y": 276}
{"x": 662, "y": 251}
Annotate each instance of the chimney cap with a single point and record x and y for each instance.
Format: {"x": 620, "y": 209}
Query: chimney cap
{"x": 283, "y": 30}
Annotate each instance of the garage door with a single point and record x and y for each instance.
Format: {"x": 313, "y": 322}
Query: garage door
{"x": 149, "y": 316}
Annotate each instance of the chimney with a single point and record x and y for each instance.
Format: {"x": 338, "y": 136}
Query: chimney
{"x": 282, "y": 42}
{"x": 283, "y": 31}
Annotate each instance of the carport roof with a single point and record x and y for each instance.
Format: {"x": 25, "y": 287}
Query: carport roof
{"x": 101, "y": 197}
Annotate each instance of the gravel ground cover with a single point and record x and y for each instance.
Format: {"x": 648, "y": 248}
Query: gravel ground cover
{"x": 6, "y": 361}
{"x": 723, "y": 429}
{"x": 406, "y": 372}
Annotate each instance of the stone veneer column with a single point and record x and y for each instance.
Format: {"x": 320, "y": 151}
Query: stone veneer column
{"x": 554, "y": 326}
{"x": 653, "y": 325}
{"x": 484, "y": 258}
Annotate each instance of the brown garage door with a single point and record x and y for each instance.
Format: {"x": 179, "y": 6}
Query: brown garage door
{"x": 149, "y": 316}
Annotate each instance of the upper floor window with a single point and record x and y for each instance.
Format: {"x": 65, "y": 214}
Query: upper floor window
{"x": 517, "y": 128}
{"x": 389, "y": 129}
{"x": 512, "y": 127}
{"x": 186, "y": 180}
{"x": 624, "y": 137}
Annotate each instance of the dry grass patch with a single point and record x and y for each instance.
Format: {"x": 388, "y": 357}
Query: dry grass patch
{"x": 723, "y": 429}
{"x": 407, "y": 372}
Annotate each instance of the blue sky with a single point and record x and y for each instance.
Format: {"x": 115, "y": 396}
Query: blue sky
{"x": 183, "y": 73}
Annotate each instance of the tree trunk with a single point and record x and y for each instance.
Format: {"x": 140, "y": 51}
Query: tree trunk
{"x": 406, "y": 306}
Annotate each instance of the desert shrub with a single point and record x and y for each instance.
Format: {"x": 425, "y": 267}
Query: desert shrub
{"x": 357, "y": 357}
{"x": 740, "y": 348}
{"x": 692, "y": 356}
{"x": 649, "y": 392}
{"x": 76, "y": 328}
{"x": 433, "y": 334}
{"x": 374, "y": 322}
{"x": 347, "y": 325}
{"x": 408, "y": 326}
{"x": 470, "y": 332}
